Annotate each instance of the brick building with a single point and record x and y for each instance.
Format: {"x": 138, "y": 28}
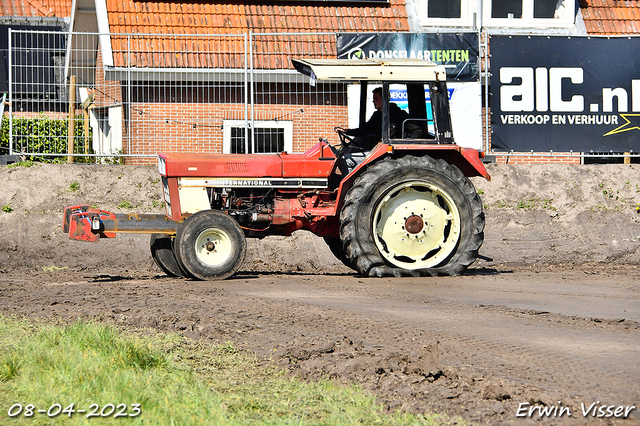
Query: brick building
{"x": 189, "y": 93}
{"x": 186, "y": 65}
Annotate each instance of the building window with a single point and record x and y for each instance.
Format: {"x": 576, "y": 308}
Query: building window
{"x": 444, "y": 13}
{"x": 506, "y": 9}
{"x": 269, "y": 137}
{"x": 545, "y": 8}
{"x": 530, "y": 13}
{"x": 444, "y": 9}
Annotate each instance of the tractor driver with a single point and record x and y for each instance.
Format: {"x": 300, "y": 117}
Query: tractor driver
{"x": 370, "y": 133}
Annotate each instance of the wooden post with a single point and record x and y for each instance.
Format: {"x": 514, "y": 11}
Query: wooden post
{"x": 627, "y": 158}
{"x": 72, "y": 118}
{"x": 86, "y": 130}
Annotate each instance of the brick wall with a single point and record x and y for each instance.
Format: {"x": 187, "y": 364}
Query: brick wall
{"x": 199, "y": 127}
{"x": 193, "y": 125}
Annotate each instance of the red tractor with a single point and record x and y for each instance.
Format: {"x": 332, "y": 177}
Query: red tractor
{"x": 403, "y": 207}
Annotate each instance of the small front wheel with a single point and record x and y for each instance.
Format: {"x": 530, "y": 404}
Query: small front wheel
{"x": 210, "y": 245}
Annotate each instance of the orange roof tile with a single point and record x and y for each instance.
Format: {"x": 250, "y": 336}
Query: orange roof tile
{"x": 36, "y": 8}
{"x": 200, "y": 17}
{"x": 611, "y": 17}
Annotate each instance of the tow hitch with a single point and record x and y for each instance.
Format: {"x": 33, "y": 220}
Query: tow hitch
{"x": 84, "y": 223}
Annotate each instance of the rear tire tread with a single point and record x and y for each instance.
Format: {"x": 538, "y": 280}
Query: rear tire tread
{"x": 361, "y": 249}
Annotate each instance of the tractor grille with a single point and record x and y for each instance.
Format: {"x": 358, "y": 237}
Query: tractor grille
{"x": 236, "y": 168}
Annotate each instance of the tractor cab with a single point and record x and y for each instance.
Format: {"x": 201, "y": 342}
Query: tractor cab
{"x": 417, "y": 87}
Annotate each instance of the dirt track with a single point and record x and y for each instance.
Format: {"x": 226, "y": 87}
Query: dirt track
{"x": 554, "y": 317}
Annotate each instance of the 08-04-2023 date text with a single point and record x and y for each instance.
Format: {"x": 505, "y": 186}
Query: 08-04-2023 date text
{"x": 94, "y": 410}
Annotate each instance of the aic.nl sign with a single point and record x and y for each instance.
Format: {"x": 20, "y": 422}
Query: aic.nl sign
{"x": 564, "y": 94}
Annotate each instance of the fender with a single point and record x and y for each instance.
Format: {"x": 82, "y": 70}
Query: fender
{"x": 466, "y": 159}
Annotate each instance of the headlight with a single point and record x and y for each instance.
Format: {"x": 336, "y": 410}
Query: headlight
{"x": 162, "y": 166}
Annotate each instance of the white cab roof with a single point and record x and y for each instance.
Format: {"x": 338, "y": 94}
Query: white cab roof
{"x": 370, "y": 69}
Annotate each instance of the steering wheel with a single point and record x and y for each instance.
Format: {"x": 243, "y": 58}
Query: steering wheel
{"x": 345, "y": 139}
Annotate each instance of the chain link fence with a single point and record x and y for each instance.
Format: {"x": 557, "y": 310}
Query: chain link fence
{"x": 104, "y": 97}
{"x": 97, "y": 95}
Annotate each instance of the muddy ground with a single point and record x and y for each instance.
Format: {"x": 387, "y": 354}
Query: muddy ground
{"x": 549, "y": 317}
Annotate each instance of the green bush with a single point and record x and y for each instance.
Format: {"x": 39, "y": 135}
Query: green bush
{"x": 44, "y": 135}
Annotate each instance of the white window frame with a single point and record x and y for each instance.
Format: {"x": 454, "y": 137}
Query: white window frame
{"x": 287, "y": 126}
{"x": 465, "y": 20}
{"x": 527, "y": 20}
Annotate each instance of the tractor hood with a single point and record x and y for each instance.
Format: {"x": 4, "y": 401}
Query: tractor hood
{"x": 317, "y": 162}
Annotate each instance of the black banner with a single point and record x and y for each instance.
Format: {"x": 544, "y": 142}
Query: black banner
{"x": 457, "y": 52}
{"x": 565, "y": 93}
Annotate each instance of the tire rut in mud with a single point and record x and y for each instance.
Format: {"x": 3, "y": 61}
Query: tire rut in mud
{"x": 416, "y": 354}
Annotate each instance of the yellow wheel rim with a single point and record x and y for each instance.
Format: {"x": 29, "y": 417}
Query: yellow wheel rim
{"x": 213, "y": 247}
{"x": 416, "y": 225}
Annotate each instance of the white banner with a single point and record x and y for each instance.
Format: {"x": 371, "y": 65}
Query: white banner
{"x": 466, "y": 114}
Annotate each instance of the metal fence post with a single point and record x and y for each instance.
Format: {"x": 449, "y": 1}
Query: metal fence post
{"x": 10, "y": 95}
{"x": 487, "y": 115}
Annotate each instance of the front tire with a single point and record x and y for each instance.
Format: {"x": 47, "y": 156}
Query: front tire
{"x": 210, "y": 245}
{"x": 412, "y": 216}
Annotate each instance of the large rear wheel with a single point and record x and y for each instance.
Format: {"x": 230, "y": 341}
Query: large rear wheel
{"x": 412, "y": 216}
{"x": 210, "y": 245}
{"x": 335, "y": 245}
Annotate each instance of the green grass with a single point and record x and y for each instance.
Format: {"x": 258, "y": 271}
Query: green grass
{"x": 24, "y": 163}
{"x": 126, "y": 204}
{"x": 175, "y": 381}
{"x": 500, "y": 204}
{"x": 528, "y": 204}
{"x": 537, "y": 202}
{"x": 7, "y": 208}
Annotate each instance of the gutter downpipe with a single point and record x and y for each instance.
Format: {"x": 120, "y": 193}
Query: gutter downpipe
{"x": 129, "y": 100}
{"x": 252, "y": 100}
{"x": 246, "y": 93}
